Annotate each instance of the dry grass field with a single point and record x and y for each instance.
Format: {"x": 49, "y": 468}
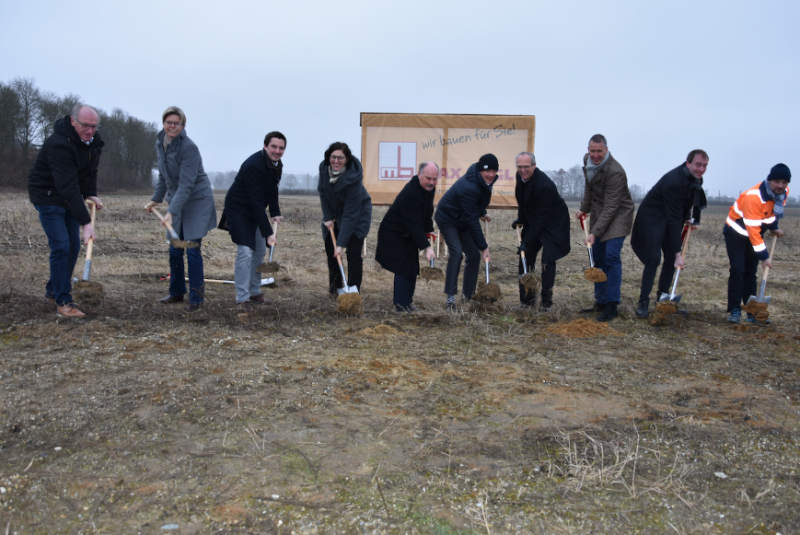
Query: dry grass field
{"x": 142, "y": 418}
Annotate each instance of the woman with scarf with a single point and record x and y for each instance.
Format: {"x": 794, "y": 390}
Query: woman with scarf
{"x": 756, "y": 211}
{"x": 187, "y": 189}
{"x": 347, "y": 209}
{"x": 675, "y": 200}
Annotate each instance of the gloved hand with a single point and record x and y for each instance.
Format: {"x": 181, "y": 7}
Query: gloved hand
{"x": 515, "y": 224}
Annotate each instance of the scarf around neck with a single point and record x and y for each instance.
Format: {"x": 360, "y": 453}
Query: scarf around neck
{"x": 592, "y": 169}
{"x": 778, "y": 199}
{"x": 335, "y": 174}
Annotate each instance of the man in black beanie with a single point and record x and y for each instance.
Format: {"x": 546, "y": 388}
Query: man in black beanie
{"x": 756, "y": 211}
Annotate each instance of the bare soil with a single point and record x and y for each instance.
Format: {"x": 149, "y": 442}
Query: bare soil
{"x": 297, "y": 419}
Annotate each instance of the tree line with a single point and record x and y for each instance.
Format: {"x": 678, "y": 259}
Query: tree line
{"x": 27, "y": 116}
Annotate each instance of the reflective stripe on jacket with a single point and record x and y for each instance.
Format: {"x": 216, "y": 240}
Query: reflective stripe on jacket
{"x": 752, "y": 214}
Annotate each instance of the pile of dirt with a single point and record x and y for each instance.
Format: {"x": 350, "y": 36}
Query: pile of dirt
{"x": 431, "y": 274}
{"x": 759, "y": 310}
{"x": 487, "y": 293}
{"x": 88, "y": 292}
{"x": 379, "y": 331}
{"x": 181, "y": 244}
{"x": 666, "y": 307}
{"x": 594, "y": 274}
{"x": 269, "y": 267}
{"x": 350, "y": 304}
{"x": 582, "y": 328}
{"x": 530, "y": 283}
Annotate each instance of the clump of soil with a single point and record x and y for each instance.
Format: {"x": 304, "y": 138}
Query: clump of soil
{"x": 762, "y": 315}
{"x": 181, "y": 244}
{"x": 594, "y": 274}
{"x": 350, "y": 304}
{"x": 431, "y": 274}
{"x": 667, "y": 307}
{"x": 754, "y": 307}
{"x": 530, "y": 283}
{"x": 659, "y": 319}
{"x": 582, "y": 328}
{"x": 487, "y": 293}
{"x": 88, "y": 292}
{"x": 379, "y": 331}
{"x": 269, "y": 267}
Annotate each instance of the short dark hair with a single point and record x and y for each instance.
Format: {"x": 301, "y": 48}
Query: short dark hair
{"x": 598, "y": 138}
{"x": 695, "y": 152}
{"x": 339, "y": 145}
{"x": 271, "y": 135}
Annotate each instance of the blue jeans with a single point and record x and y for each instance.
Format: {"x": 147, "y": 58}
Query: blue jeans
{"x": 194, "y": 258}
{"x": 607, "y": 257}
{"x": 64, "y": 236}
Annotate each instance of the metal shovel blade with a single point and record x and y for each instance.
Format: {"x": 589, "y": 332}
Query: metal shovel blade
{"x": 346, "y": 289}
{"x": 87, "y": 269}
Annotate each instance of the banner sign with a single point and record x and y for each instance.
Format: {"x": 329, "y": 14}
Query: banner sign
{"x": 394, "y": 144}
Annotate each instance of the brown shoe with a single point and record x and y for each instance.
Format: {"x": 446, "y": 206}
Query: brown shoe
{"x": 245, "y": 307}
{"x": 260, "y": 299}
{"x": 171, "y": 299}
{"x": 193, "y": 307}
{"x": 70, "y": 311}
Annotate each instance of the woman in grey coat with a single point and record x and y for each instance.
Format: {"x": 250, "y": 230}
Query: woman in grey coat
{"x": 192, "y": 213}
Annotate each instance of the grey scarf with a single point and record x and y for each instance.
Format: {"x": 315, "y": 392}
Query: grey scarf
{"x": 592, "y": 169}
{"x": 778, "y": 208}
{"x": 335, "y": 174}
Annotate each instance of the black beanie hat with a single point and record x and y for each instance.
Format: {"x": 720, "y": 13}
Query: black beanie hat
{"x": 780, "y": 172}
{"x": 488, "y": 161}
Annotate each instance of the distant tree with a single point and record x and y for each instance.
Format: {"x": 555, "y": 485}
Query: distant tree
{"x": 289, "y": 181}
{"x": 51, "y": 109}
{"x": 9, "y": 115}
{"x": 637, "y": 192}
{"x": 27, "y": 124}
{"x": 129, "y": 155}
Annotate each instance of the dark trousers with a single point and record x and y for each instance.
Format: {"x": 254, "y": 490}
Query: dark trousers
{"x": 177, "y": 282}
{"x": 548, "y": 278}
{"x": 64, "y": 237}
{"x": 404, "y": 290}
{"x": 650, "y": 268}
{"x": 607, "y": 256}
{"x": 460, "y": 243}
{"x": 355, "y": 264}
{"x": 744, "y": 266}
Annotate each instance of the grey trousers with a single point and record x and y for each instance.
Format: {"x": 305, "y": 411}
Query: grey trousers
{"x": 248, "y": 279}
{"x": 460, "y": 243}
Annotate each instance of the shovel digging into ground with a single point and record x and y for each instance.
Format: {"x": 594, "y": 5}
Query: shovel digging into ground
{"x": 86, "y": 291}
{"x": 528, "y": 280}
{"x": 431, "y": 273}
{"x": 488, "y": 292}
{"x": 270, "y": 266}
{"x": 668, "y": 303}
{"x": 349, "y": 301}
{"x": 592, "y": 274}
{"x": 757, "y": 305}
{"x": 175, "y": 241}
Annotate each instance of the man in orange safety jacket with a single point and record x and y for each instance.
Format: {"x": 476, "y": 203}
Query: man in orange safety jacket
{"x": 755, "y": 211}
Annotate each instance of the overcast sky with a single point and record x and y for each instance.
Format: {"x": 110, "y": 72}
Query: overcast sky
{"x": 656, "y": 78}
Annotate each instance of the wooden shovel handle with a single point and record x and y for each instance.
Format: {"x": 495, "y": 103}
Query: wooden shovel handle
{"x": 333, "y": 239}
{"x": 771, "y": 251}
{"x": 274, "y": 225}
{"x": 686, "y": 241}
{"x": 169, "y": 227}
{"x": 585, "y": 230}
{"x": 90, "y": 246}
{"x": 519, "y": 239}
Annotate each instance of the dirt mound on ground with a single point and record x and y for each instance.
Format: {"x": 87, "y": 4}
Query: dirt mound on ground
{"x": 350, "y": 304}
{"x": 379, "y": 331}
{"x": 181, "y": 244}
{"x": 269, "y": 267}
{"x": 582, "y": 328}
{"x": 754, "y": 307}
{"x": 487, "y": 293}
{"x": 88, "y": 292}
{"x": 595, "y": 275}
{"x": 530, "y": 283}
{"x": 431, "y": 274}
{"x": 667, "y": 307}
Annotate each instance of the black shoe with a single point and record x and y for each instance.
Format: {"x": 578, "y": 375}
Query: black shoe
{"x": 171, "y": 299}
{"x": 410, "y": 308}
{"x": 597, "y": 307}
{"x": 193, "y": 307}
{"x": 609, "y": 313}
{"x": 643, "y": 309}
{"x": 450, "y": 307}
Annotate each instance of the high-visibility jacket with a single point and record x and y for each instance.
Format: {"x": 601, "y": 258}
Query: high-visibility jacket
{"x": 753, "y": 214}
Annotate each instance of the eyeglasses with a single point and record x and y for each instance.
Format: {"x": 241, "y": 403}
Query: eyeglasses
{"x": 524, "y": 167}
{"x": 88, "y": 126}
{"x": 172, "y": 123}
{"x": 339, "y": 158}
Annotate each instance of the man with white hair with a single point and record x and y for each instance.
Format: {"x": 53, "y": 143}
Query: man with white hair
{"x": 63, "y": 178}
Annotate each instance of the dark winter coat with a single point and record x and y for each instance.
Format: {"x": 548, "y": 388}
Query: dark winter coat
{"x": 65, "y": 171}
{"x": 347, "y": 202}
{"x": 465, "y": 203}
{"x": 254, "y": 188}
{"x": 403, "y": 231}
{"x": 184, "y": 183}
{"x": 662, "y": 214}
{"x": 608, "y": 200}
{"x": 544, "y": 216}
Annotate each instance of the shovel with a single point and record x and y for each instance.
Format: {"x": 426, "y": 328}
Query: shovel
{"x": 487, "y": 293}
{"x": 431, "y": 273}
{"x": 89, "y": 292}
{"x": 528, "y": 280}
{"x": 522, "y": 253}
{"x": 765, "y": 299}
{"x": 592, "y": 274}
{"x": 270, "y": 266}
{"x": 687, "y": 232}
{"x": 346, "y": 289}
{"x": 175, "y": 241}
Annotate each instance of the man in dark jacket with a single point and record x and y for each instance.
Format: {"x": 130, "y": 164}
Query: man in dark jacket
{"x": 458, "y": 216}
{"x": 544, "y": 217}
{"x": 403, "y": 233}
{"x": 63, "y": 177}
{"x": 254, "y": 188}
{"x": 607, "y": 199}
{"x": 674, "y": 201}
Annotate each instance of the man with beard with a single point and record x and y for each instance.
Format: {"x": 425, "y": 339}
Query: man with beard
{"x": 403, "y": 233}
